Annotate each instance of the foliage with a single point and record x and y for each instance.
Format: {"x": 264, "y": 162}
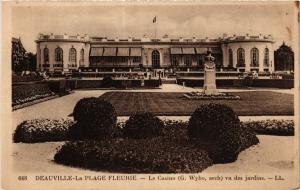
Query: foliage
{"x": 271, "y": 127}
{"x": 217, "y": 126}
{"x": 142, "y": 125}
{"x": 29, "y": 92}
{"x": 96, "y": 118}
{"x": 41, "y": 130}
{"x": 107, "y": 82}
{"x": 134, "y": 156}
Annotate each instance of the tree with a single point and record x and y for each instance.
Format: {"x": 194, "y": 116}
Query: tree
{"x": 284, "y": 58}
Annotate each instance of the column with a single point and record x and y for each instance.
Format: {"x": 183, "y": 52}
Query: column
{"x": 51, "y": 58}
{"x": 247, "y": 58}
{"x": 65, "y": 58}
{"x": 261, "y": 58}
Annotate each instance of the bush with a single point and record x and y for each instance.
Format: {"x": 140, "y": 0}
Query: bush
{"x": 216, "y": 126}
{"x": 134, "y": 156}
{"x": 271, "y": 127}
{"x": 142, "y": 125}
{"x": 42, "y": 130}
{"x": 107, "y": 82}
{"x": 96, "y": 118}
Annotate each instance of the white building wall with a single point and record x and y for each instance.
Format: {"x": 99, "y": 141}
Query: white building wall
{"x": 66, "y": 46}
{"x": 247, "y": 46}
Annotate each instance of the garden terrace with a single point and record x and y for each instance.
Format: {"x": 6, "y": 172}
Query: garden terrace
{"x": 250, "y": 104}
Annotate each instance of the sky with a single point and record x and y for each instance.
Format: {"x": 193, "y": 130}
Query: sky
{"x": 124, "y": 20}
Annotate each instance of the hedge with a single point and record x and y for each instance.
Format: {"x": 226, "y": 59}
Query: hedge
{"x": 268, "y": 83}
{"x": 42, "y": 130}
{"x": 28, "y": 92}
{"x": 171, "y": 129}
{"x": 134, "y": 156}
{"x": 271, "y": 127}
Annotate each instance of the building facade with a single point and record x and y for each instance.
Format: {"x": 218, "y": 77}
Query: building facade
{"x": 65, "y": 53}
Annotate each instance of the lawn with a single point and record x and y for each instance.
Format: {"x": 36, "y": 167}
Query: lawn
{"x": 252, "y": 103}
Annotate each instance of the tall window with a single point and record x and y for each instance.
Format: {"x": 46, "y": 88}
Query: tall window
{"x": 241, "y": 57}
{"x": 174, "y": 61}
{"x": 46, "y": 55}
{"x": 155, "y": 59}
{"x": 254, "y": 57}
{"x": 72, "y": 55}
{"x": 187, "y": 61}
{"x": 266, "y": 57}
{"x": 59, "y": 55}
{"x": 200, "y": 62}
{"x": 230, "y": 58}
{"x": 81, "y": 56}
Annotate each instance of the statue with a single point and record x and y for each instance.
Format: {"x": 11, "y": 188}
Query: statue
{"x": 209, "y": 87}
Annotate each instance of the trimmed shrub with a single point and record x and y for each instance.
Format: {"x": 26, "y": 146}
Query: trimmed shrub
{"x": 42, "y": 130}
{"x": 248, "y": 138}
{"x": 134, "y": 156}
{"x": 216, "y": 127}
{"x": 107, "y": 82}
{"x": 96, "y": 118}
{"x": 142, "y": 125}
{"x": 271, "y": 127}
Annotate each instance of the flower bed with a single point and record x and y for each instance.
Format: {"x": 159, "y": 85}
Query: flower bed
{"x": 29, "y": 92}
{"x": 41, "y": 130}
{"x": 32, "y": 98}
{"x": 200, "y": 95}
{"x": 271, "y": 127}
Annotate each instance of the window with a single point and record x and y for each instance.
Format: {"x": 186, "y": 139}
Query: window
{"x": 72, "y": 55}
{"x": 200, "y": 62}
{"x": 254, "y": 57}
{"x": 187, "y": 61}
{"x": 155, "y": 59}
{"x": 46, "y": 55}
{"x": 123, "y": 59}
{"x": 81, "y": 56}
{"x": 174, "y": 61}
{"x": 59, "y": 55}
{"x": 266, "y": 57}
{"x": 241, "y": 57}
{"x": 136, "y": 59}
{"x": 230, "y": 58}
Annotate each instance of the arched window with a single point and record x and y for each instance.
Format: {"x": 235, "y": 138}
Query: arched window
{"x": 266, "y": 57}
{"x": 230, "y": 58}
{"x": 187, "y": 61}
{"x": 241, "y": 57}
{"x": 46, "y": 55}
{"x": 59, "y": 55}
{"x": 254, "y": 57}
{"x": 155, "y": 59}
{"x": 81, "y": 56}
{"x": 72, "y": 55}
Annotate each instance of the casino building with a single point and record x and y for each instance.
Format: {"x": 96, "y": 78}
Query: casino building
{"x": 73, "y": 53}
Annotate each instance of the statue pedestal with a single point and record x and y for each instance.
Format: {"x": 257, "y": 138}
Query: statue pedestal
{"x": 209, "y": 87}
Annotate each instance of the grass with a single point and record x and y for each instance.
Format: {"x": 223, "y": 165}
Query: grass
{"x": 174, "y": 104}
